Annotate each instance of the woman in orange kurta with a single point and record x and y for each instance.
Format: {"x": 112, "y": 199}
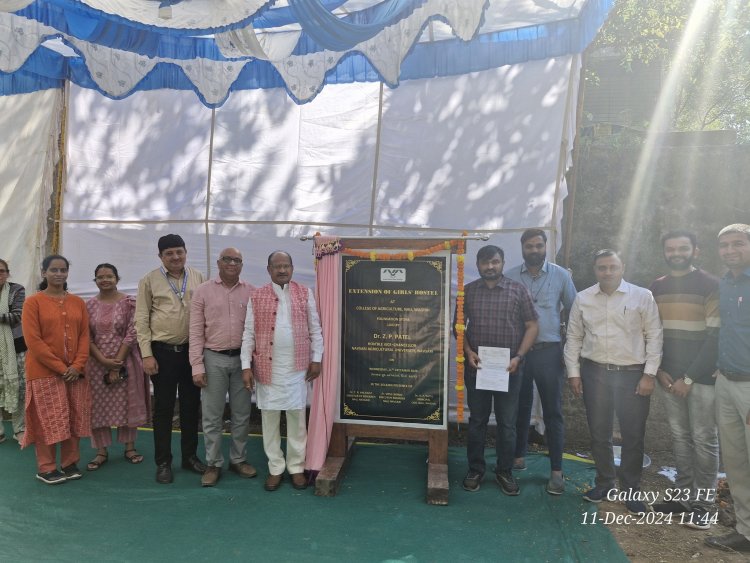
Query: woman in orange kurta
{"x": 58, "y": 400}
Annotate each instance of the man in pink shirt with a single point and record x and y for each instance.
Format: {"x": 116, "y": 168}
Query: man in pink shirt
{"x": 217, "y": 319}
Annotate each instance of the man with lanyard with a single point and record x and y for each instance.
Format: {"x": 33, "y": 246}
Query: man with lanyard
{"x": 499, "y": 314}
{"x": 282, "y": 348}
{"x": 688, "y": 301}
{"x": 552, "y": 291}
{"x": 733, "y": 380}
{"x": 612, "y": 352}
{"x": 161, "y": 321}
{"x": 217, "y": 318}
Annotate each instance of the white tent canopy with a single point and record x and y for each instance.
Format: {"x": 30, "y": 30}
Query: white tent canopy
{"x": 477, "y": 135}
{"x": 119, "y": 48}
{"x": 434, "y": 157}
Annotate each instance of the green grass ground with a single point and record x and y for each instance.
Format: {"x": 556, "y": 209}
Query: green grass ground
{"x": 120, "y": 514}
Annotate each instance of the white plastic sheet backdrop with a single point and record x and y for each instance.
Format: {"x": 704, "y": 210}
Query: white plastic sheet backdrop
{"x": 30, "y": 126}
{"x": 476, "y": 152}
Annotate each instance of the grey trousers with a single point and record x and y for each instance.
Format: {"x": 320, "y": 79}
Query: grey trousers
{"x": 732, "y": 408}
{"x": 695, "y": 443}
{"x": 224, "y": 374}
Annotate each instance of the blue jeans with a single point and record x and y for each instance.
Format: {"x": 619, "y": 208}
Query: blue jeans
{"x": 606, "y": 393}
{"x": 480, "y": 406}
{"x": 546, "y": 369}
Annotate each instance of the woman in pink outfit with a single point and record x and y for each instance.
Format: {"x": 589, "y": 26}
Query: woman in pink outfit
{"x": 119, "y": 389}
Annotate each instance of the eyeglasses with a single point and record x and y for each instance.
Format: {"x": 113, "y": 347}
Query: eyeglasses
{"x": 231, "y": 260}
{"x": 278, "y": 267}
{"x": 57, "y": 270}
{"x": 2, "y": 271}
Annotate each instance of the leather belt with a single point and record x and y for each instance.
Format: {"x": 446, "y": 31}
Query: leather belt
{"x": 176, "y": 348}
{"x": 615, "y": 367}
{"x": 230, "y": 353}
{"x": 735, "y": 375}
{"x": 543, "y": 345}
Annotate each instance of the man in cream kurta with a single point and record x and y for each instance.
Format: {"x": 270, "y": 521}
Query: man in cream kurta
{"x": 282, "y": 347}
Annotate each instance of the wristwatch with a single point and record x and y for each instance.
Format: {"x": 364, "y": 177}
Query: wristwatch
{"x": 687, "y": 380}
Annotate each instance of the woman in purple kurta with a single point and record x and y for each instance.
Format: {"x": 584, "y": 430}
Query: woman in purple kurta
{"x": 119, "y": 388}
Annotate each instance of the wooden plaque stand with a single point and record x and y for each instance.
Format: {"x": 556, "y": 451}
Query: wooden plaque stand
{"x": 344, "y": 435}
{"x": 341, "y": 449}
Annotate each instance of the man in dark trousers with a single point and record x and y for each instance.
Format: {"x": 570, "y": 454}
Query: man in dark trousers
{"x": 612, "y": 352}
{"x": 498, "y": 313}
{"x": 161, "y": 321}
{"x": 552, "y": 292}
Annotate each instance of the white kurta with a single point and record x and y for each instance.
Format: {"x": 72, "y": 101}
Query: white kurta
{"x": 288, "y": 389}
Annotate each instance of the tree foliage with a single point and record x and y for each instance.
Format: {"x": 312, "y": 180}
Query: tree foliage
{"x": 714, "y": 77}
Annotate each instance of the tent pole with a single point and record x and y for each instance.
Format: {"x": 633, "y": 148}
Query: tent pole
{"x": 55, "y": 242}
{"x": 374, "y": 192}
{"x": 208, "y": 192}
{"x": 568, "y": 226}
{"x": 564, "y": 144}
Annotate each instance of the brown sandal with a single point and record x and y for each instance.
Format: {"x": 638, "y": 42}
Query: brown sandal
{"x": 135, "y": 458}
{"x": 94, "y": 465}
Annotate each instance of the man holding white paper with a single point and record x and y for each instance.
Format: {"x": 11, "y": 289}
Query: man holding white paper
{"x": 501, "y": 326}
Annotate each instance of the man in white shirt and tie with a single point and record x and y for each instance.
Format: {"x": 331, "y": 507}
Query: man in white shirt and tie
{"x": 612, "y": 354}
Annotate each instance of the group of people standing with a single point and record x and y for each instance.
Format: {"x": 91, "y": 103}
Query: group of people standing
{"x": 690, "y": 332}
{"x": 77, "y": 369}
{"x": 87, "y": 364}
{"x": 82, "y": 369}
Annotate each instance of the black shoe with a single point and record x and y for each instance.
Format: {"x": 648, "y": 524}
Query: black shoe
{"x": 194, "y": 464}
{"x": 72, "y": 472}
{"x": 164, "y": 473}
{"x": 637, "y": 507}
{"x": 731, "y": 542}
{"x": 698, "y": 519}
{"x": 52, "y": 478}
{"x": 507, "y": 483}
{"x": 472, "y": 481}
{"x": 597, "y": 494}
{"x": 670, "y": 507}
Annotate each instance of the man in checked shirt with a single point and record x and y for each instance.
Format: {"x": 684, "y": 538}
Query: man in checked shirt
{"x": 499, "y": 313}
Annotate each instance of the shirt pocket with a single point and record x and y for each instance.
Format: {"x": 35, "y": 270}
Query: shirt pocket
{"x": 545, "y": 299}
{"x": 743, "y": 313}
{"x": 633, "y": 320}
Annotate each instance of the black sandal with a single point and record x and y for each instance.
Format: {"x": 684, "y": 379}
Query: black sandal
{"x": 135, "y": 458}
{"x": 94, "y": 465}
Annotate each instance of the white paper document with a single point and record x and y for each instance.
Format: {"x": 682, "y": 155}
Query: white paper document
{"x": 492, "y": 374}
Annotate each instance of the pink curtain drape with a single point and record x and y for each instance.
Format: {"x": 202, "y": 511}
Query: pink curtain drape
{"x": 323, "y": 404}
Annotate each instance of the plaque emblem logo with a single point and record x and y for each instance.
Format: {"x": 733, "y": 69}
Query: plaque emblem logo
{"x": 393, "y": 274}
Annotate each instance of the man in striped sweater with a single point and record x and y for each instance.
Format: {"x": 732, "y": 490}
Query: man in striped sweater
{"x": 688, "y": 301}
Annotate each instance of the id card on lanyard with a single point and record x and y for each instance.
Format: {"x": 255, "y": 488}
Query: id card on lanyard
{"x": 180, "y": 294}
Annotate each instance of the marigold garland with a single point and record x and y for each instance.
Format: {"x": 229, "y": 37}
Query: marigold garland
{"x": 460, "y": 328}
{"x": 410, "y": 255}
